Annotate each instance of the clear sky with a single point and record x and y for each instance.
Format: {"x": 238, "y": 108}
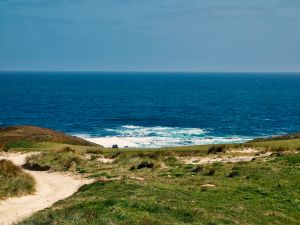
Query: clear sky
{"x": 150, "y": 35}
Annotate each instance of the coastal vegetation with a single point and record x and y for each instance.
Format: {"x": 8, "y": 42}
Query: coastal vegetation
{"x": 26, "y": 136}
{"x": 171, "y": 192}
{"x": 250, "y": 183}
{"x": 14, "y": 182}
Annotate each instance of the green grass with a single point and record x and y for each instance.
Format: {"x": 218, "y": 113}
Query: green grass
{"x": 24, "y": 145}
{"x": 58, "y": 160}
{"x": 263, "y": 191}
{"x": 285, "y": 145}
{"x": 18, "y": 144}
{"x": 260, "y": 192}
{"x": 13, "y": 181}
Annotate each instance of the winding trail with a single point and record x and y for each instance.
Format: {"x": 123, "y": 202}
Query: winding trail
{"x": 50, "y": 188}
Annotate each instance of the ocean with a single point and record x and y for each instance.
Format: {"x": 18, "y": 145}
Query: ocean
{"x": 153, "y": 109}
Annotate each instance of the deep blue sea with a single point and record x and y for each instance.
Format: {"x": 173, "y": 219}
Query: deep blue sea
{"x": 153, "y": 109}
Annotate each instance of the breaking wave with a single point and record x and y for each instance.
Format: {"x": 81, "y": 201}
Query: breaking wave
{"x": 154, "y": 137}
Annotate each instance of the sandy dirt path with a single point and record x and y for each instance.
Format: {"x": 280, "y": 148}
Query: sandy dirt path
{"x": 50, "y": 188}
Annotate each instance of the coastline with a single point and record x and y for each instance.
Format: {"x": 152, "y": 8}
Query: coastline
{"x": 160, "y": 142}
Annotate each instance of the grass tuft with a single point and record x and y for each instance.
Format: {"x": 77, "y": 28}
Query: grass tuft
{"x": 60, "y": 160}
{"x": 14, "y": 182}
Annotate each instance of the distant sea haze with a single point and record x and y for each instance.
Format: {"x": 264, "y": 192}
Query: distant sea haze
{"x": 153, "y": 109}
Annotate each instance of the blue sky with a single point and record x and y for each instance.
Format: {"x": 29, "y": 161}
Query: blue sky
{"x": 150, "y": 35}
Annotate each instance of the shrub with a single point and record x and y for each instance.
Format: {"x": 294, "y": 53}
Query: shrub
{"x": 145, "y": 165}
{"x": 8, "y": 169}
{"x": 233, "y": 173}
{"x": 34, "y": 166}
{"x": 13, "y": 181}
{"x": 216, "y": 148}
{"x": 58, "y": 161}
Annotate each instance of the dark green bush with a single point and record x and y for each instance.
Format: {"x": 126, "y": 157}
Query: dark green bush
{"x": 216, "y": 149}
{"x": 145, "y": 165}
{"x": 34, "y": 166}
{"x": 233, "y": 173}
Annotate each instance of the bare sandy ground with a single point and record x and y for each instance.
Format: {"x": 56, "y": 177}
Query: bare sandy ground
{"x": 227, "y": 158}
{"x": 50, "y": 188}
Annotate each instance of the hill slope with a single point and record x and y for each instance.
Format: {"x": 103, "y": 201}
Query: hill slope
{"x": 37, "y": 134}
{"x": 278, "y": 138}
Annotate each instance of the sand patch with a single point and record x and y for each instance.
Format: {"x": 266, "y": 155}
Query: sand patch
{"x": 222, "y": 158}
{"x": 50, "y": 188}
{"x": 102, "y": 159}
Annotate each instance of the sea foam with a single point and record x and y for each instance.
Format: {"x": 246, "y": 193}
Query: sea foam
{"x": 157, "y": 136}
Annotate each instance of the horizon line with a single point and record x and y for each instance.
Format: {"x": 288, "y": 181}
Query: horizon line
{"x": 145, "y": 71}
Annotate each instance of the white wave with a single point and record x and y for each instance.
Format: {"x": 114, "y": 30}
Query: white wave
{"x": 154, "y": 137}
{"x": 134, "y": 131}
{"x": 156, "y": 142}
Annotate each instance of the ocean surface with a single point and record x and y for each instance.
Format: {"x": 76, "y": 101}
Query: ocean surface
{"x": 153, "y": 109}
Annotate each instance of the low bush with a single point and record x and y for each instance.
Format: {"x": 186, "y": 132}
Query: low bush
{"x": 233, "y": 173}
{"x": 14, "y": 182}
{"x": 145, "y": 165}
{"x": 34, "y": 166}
{"x": 58, "y": 160}
{"x": 216, "y": 149}
{"x": 8, "y": 169}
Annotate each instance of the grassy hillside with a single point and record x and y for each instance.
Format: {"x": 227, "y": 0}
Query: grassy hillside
{"x": 170, "y": 186}
{"x": 257, "y": 192}
{"x": 14, "y": 182}
{"x": 26, "y": 136}
{"x": 278, "y": 138}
